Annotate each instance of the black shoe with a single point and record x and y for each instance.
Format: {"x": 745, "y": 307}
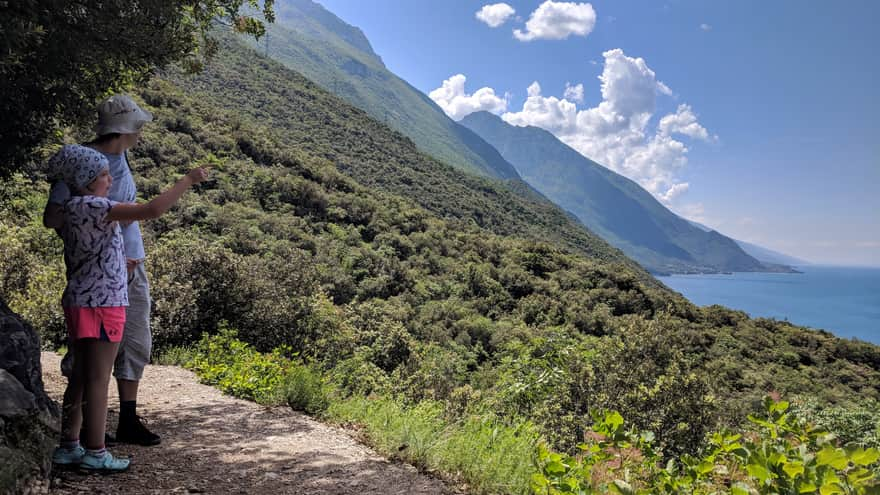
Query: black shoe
{"x": 133, "y": 431}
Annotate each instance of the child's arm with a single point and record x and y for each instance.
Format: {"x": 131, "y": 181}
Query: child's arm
{"x": 129, "y": 212}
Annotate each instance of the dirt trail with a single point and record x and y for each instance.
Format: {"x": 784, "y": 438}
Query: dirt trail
{"x": 213, "y": 443}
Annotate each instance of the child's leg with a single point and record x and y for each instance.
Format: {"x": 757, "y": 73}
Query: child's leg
{"x": 71, "y": 409}
{"x": 95, "y": 358}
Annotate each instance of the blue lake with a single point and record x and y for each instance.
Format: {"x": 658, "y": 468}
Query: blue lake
{"x": 843, "y": 300}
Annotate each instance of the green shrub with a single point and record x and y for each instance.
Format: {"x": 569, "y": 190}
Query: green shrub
{"x": 32, "y": 276}
{"x": 175, "y": 356}
{"x": 783, "y": 454}
{"x": 492, "y": 455}
{"x": 238, "y": 369}
{"x": 857, "y": 424}
{"x": 304, "y": 390}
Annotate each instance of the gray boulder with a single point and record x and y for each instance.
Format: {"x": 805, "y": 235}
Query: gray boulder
{"x": 28, "y": 417}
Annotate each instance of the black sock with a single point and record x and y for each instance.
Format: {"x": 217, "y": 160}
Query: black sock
{"x": 127, "y": 410}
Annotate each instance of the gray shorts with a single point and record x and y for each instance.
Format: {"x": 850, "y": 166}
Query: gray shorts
{"x": 137, "y": 341}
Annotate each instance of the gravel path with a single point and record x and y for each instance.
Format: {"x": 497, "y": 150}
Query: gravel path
{"x": 213, "y": 443}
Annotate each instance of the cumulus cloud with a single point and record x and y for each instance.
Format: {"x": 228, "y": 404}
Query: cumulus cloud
{"x": 453, "y": 99}
{"x": 617, "y": 132}
{"x": 683, "y": 122}
{"x": 557, "y": 21}
{"x": 574, "y": 93}
{"x": 705, "y": 27}
{"x": 495, "y": 14}
{"x": 675, "y": 191}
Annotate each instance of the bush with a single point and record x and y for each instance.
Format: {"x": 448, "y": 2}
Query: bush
{"x": 237, "y": 369}
{"x": 304, "y": 390}
{"x": 784, "y": 454}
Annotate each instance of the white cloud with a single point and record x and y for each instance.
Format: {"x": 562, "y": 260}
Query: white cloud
{"x": 452, "y": 98}
{"x": 495, "y": 14}
{"x": 557, "y": 21}
{"x": 674, "y": 191}
{"x": 574, "y": 93}
{"x": 616, "y": 132}
{"x": 551, "y": 113}
{"x": 705, "y": 27}
{"x": 684, "y": 122}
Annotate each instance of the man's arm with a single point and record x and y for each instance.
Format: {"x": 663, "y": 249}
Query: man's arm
{"x": 53, "y": 214}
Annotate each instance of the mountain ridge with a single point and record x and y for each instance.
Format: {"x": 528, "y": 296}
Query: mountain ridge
{"x": 378, "y": 156}
{"x": 337, "y": 56}
{"x": 760, "y": 253}
{"x": 612, "y": 205}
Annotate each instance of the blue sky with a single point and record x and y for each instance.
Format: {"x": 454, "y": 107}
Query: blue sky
{"x": 774, "y": 102}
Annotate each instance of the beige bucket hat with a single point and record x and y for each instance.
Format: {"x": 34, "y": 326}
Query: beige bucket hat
{"x": 121, "y": 114}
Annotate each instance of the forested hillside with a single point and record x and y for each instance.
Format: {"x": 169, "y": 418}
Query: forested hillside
{"x": 338, "y": 57}
{"x": 302, "y": 114}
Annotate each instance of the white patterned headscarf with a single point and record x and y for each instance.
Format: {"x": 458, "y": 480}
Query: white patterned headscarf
{"x": 78, "y": 165}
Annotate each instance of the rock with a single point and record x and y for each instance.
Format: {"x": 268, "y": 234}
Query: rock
{"x": 28, "y": 417}
{"x": 20, "y": 356}
{"x": 14, "y": 399}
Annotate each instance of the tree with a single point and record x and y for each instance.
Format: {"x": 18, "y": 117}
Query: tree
{"x": 57, "y": 57}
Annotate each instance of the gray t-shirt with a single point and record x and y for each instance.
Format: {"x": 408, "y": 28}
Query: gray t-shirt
{"x": 122, "y": 190}
{"x": 93, "y": 255}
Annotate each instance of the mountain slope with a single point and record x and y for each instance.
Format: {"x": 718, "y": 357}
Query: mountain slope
{"x": 611, "y": 205}
{"x": 765, "y": 255}
{"x": 760, "y": 253}
{"x": 377, "y": 156}
{"x": 338, "y": 57}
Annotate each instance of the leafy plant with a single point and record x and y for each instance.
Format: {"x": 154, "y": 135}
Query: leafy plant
{"x": 784, "y": 454}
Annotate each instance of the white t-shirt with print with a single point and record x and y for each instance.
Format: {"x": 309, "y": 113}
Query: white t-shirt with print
{"x": 93, "y": 254}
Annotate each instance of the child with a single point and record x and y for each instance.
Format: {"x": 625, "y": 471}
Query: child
{"x": 96, "y": 295}
{"x": 118, "y": 129}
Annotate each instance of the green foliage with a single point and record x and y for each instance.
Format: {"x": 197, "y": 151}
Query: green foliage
{"x": 173, "y": 356}
{"x": 31, "y": 273}
{"x": 237, "y": 369}
{"x": 57, "y": 58}
{"x": 853, "y": 424}
{"x": 490, "y": 455}
{"x": 785, "y": 454}
{"x": 304, "y": 390}
{"x": 495, "y": 456}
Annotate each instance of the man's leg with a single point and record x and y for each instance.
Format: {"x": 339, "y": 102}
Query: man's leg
{"x": 133, "y": 356}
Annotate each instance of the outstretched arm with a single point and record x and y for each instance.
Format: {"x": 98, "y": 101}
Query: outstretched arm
{"x": 128, "y": 212}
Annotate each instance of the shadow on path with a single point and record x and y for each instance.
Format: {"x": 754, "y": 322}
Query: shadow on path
{"x": 213, "y": 443}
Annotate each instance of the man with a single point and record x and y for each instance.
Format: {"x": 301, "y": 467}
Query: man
{"x": 119, "y": 124}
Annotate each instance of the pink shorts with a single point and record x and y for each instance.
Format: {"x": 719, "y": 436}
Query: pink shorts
{"x": 95, "y": 323}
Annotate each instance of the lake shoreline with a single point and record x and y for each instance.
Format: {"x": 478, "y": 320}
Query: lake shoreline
{"x": 842, "y": 300}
